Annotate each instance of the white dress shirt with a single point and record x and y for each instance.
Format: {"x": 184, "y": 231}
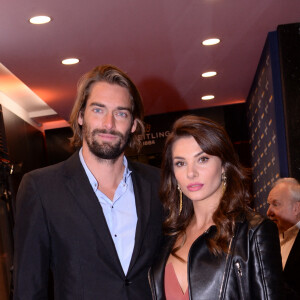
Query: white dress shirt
{"x": 120, "y": 214}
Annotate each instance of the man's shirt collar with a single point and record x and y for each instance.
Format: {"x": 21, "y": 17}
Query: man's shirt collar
{"x": 92, "y": 178}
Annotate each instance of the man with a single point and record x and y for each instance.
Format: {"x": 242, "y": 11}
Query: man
{"x": 95, "y": 219}
{"x": 284, "y": 210}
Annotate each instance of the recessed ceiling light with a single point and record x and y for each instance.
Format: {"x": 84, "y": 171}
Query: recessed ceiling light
{"x": 209, "y": 74}
{"x": 210, "y": 42}
{"x": 40, "y": 20}
{"x": 208, "y": 97}
{"x": 70, "y": 61}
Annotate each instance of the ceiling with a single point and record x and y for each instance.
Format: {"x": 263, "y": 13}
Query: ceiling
{"x": 158, "y": 43}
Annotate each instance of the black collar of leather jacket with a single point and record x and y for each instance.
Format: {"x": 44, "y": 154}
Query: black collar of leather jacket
{"x": 228, "y": 276}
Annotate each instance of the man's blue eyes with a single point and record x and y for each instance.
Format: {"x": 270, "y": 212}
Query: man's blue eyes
{"x": 122, "y": 114}
{"x": 117, "y": 113}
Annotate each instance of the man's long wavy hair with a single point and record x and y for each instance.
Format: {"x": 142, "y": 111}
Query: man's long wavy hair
{"x": 111, "y": 75}
{"x": 213, "y": 140}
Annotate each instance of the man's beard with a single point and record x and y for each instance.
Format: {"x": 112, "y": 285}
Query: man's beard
{"x": 105, "y": 150}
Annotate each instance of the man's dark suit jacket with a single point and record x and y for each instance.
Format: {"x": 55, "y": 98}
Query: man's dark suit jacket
{"x": 291, "y": 271}
{"x": 60, "y": 226}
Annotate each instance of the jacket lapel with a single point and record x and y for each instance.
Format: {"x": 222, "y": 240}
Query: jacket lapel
{"x": 78, "y": 184}
{"x": 294, "y": 255}
{"x": 142, "y": 192}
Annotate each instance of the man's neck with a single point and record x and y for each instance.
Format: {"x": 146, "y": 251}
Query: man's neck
{"x": 108, "y": 172}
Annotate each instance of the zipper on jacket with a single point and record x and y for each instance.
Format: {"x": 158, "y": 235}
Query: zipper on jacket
{"x": 228, "y": 258}
{"x": 239, "y": 269}
{"x": 151, "y": 284}
{"x": 239, "y": 274}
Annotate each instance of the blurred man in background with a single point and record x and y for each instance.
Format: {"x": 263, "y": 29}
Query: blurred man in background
{"x": 284, "y": 210}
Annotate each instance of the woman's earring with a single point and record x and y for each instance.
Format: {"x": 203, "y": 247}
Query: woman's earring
{"x": 224, "y": 182}
{"x": 180, "y": 199}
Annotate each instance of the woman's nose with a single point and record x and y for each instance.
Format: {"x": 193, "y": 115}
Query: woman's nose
{"x": 192, "y": 171}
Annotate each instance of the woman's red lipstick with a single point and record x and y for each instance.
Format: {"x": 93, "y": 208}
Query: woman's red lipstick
{"x": 194, "y": 187}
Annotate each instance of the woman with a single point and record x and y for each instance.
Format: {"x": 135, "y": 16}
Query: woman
{"x": 216, "y": 247}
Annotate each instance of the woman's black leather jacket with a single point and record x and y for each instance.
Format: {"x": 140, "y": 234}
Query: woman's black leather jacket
{"x": 252, "y": 270}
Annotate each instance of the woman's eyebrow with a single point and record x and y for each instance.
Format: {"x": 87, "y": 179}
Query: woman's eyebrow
{"x": 196, "y": 155}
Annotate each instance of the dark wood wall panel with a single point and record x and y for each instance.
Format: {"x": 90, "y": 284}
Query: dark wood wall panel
{"x": 26, "y": 146}
{"x": 289, "y": 53}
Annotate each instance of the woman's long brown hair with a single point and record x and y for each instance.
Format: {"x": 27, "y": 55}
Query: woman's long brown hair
{"x": 213, "y": 140}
